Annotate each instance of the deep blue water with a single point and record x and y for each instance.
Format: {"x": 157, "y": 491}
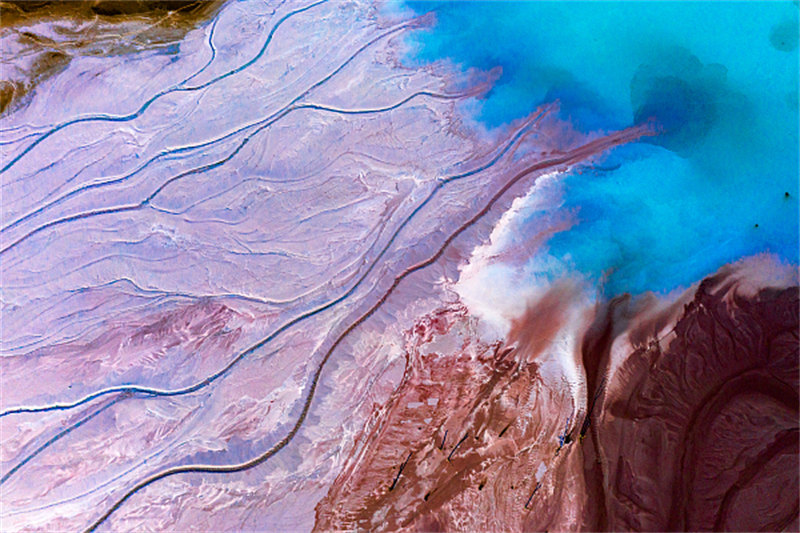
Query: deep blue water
{"x": 721, "y": 78}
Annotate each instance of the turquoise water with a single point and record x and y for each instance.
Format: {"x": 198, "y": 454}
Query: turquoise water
{"x": 721, "y": 77}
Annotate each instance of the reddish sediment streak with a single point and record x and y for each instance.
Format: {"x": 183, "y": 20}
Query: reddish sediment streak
{"x": 572, "y": 157}
{"x": 261, "y": 272}
{"x": 180, "y": 263}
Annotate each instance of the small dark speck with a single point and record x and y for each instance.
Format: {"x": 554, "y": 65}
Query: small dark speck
{"x": 784, "y": 36}
{"x": 428, "y": 495}
{"x": 755, "y": 225}
{"x": 786, "y": 195}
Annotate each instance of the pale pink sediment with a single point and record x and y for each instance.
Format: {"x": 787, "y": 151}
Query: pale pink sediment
{"x": 330, "y": 237}
{"x": 102, "y": 291}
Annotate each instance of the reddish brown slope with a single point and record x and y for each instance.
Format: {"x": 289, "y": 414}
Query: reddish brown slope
{"x": 689, "y": 422}
{"x": 699, "y": 431}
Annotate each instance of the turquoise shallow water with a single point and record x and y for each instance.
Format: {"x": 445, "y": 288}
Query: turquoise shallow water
{"x": 721, "y": 77}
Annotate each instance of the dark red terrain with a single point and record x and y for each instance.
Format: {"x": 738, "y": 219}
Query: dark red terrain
{"x": 701, "y": 432}
{"x": 688, "y": 422}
